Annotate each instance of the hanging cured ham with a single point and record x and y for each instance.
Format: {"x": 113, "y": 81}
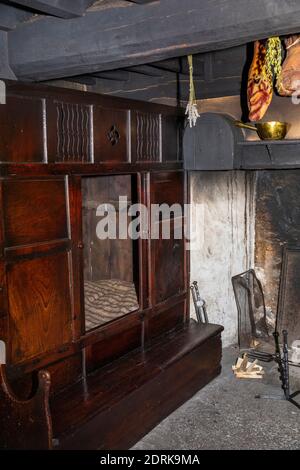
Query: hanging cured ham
{"x": 289, "y": 79}
{"x": 260, "y": 89}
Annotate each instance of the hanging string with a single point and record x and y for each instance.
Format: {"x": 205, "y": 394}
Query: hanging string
{"x": 192, "y": 108}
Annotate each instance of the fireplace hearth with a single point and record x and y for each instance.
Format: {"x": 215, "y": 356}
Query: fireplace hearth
{"x": 251, "y": 221}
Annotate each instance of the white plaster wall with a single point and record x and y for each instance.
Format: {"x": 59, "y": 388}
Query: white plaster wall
{"x": 224, "y": 245}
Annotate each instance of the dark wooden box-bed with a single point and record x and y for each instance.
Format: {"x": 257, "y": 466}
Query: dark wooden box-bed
{"x": 63, "y": 387}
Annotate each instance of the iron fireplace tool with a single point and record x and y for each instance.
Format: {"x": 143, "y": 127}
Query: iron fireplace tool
{"x": 199, "y": 304}
{"x": 282, "y": 359}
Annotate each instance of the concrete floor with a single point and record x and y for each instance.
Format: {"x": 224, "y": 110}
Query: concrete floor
{"x": 226, "y": 415}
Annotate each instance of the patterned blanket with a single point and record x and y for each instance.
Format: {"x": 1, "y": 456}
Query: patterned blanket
{"x": 107, "y": 300}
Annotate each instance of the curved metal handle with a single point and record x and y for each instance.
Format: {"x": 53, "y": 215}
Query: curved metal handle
{"x": 245, "y": 126}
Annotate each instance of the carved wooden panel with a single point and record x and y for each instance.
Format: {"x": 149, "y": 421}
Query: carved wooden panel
{"x": 147, "y": 137}
{"x": 69, "y": 128}
{"x": 22, "y": 124}
{"x": 111, "y": 135}
{"x": 39, "y": 306}
{"x": 34, "y": 211}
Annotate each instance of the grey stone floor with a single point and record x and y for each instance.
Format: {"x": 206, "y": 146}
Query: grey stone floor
{"x": 226, "y": 415}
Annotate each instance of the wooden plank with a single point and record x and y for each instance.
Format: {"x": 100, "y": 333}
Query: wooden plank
{"x": 61, "y": 8}
{"x": 145, "y": 34}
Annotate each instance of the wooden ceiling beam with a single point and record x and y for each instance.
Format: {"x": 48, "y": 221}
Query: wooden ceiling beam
{"x": 221, "y": 76}
{"x": 147, "y": 70}
{"x": 115, "y": 75}
{"x": 10, "y": 17}
{"x": 118, "y": 37}
{"x": 61, "y": 8}
{"x": 173, "y": 88}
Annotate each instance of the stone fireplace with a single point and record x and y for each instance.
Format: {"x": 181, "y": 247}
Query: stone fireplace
{"x": 249, "y": 216}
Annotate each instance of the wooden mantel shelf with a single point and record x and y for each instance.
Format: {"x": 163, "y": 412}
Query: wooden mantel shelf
{"x": 268, "y": 154}
{"x": 270, "y": 142}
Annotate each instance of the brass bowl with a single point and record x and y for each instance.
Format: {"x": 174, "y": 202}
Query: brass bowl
{"x": 273, "y": 130}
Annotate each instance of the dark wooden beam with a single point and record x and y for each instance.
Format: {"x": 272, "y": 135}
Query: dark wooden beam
{"x": 60, "y": 8}
{"x": 119, "y": 37}
{"x": 115, "y": 75}
{"x": 148, "y": 70}
{"x": 83, "y": 80}
{"x": 180, "y": 65}
{"x": 10, "y": 17}
{"x": 141, "y": 2}
{"x": 171, "y": 90}
{"x": 221, "y": 76}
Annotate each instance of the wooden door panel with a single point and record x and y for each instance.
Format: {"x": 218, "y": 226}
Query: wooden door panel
{"x": 22, "y": 130}
{"x": 167, "y": 187}
{"x": 168, "y": 245}
{"x": 167, "y": 267}
{"x": 39, "y": 300}
{"x": 34, "y": 211}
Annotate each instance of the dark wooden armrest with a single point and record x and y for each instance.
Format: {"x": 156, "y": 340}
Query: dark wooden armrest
{"x": 25, "y": 424}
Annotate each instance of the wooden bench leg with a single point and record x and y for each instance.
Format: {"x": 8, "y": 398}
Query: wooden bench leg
{"x": 25, "y": 424}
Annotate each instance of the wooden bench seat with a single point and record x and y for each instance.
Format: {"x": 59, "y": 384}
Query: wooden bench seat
{"x": 118, "y": 404}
